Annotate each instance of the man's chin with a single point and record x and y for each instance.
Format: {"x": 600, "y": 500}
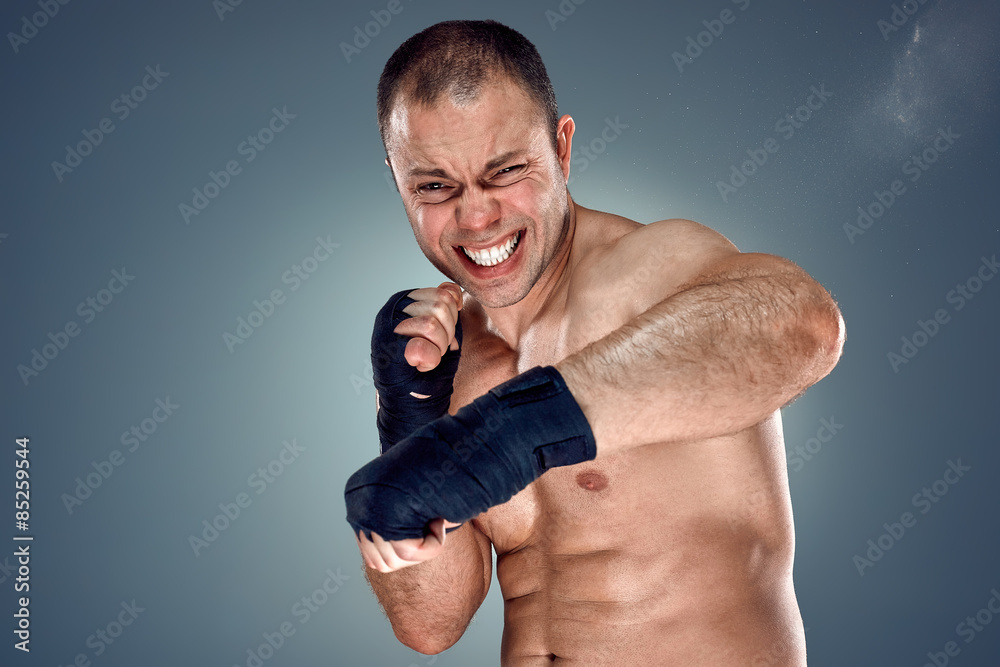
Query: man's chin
{"x": 493, "y": 298}
{"x": 502, "y": 294}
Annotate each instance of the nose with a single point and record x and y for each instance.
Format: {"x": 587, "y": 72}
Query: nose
{"x": 477, "y": 210}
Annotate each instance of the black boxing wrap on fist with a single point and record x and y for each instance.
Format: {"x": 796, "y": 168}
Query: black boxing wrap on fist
{"x": 400, "y": 414}
{"x": 458, "y": 466}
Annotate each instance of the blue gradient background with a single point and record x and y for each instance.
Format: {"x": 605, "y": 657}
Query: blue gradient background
{"x": 305, "y": 373}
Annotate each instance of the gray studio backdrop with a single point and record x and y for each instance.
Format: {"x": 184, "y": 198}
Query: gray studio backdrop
{"x": 198, "y": 230}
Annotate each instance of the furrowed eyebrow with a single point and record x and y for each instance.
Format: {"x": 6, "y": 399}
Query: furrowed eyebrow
{"x": 496, "y": 162}
{"x": 437, "y": 173}
{"x": 440, "y": 173}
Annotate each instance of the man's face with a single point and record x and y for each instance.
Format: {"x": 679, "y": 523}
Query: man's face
{"x": 480, "y": 176}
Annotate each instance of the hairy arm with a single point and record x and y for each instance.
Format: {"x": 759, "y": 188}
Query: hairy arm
{"x": 742, "y": 336}
{"x": 430, "y": 604}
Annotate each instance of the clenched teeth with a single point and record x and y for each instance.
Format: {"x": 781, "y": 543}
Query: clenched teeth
{"x": 496, "y": 254}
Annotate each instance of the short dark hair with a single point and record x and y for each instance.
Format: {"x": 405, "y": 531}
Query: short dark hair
{"x": 457, "y": 58}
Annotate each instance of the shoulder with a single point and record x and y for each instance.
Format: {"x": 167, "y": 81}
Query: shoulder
{"x": 647, "y": 263}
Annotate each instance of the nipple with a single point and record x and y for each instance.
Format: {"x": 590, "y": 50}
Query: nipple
{"x": 592, "y": 481}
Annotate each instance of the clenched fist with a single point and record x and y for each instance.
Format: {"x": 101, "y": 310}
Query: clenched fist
{"x": 415, "y": 351}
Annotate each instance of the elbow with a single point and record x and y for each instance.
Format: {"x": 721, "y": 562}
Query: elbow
{"x": 836, "y": 339}
{"x": 429, "y": 637}
{"x": 826, "y": 333}
{"x": 431, "y": 649}
{"x": 425, "y": 642}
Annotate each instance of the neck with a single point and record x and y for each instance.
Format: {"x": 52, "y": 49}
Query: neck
{"x": 512, "y": 322}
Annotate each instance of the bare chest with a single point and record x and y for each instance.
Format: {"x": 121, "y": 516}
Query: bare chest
{"x": 572, "y": 496}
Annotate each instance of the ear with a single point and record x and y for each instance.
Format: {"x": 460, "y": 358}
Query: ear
{"x": 391, "y": 178}
{"x": 564, "y": 143}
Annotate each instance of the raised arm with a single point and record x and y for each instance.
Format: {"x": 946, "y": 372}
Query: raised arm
{"x": 740, "y": 337}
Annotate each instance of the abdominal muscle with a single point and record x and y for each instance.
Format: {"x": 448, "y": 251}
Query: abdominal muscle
{"x": 666, "y": 554}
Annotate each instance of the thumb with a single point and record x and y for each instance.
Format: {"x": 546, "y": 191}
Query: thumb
{"x": 437, "y": 534}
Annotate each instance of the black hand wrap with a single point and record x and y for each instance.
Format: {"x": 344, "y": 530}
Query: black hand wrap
{"x": 457, "y": 467}
{"x": 400, "y": 414}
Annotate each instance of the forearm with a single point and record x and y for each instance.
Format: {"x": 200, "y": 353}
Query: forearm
{"x": 431, "y": 604}
{"x": 714, "y": 358}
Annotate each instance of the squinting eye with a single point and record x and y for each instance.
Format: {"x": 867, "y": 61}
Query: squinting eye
{"x": 509, "y": 170}
{"x": 434, "y": 193}
{"x": 433, "y": 190}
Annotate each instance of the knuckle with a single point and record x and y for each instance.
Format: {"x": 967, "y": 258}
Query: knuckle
{"x": 417, "y": 326}
{"x": 441, "y": 311}
{"x": 431, "y": 338}
{"x": 404, "y": 553}
{"x": 452, "y": 298}
{"x": 428, "y": 324}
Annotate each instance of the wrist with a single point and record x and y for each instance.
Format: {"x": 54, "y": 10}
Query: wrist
{"x": 579, "y": 384}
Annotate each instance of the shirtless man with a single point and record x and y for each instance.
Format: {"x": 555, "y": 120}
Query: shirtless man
{"x": 674, "y": 545}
